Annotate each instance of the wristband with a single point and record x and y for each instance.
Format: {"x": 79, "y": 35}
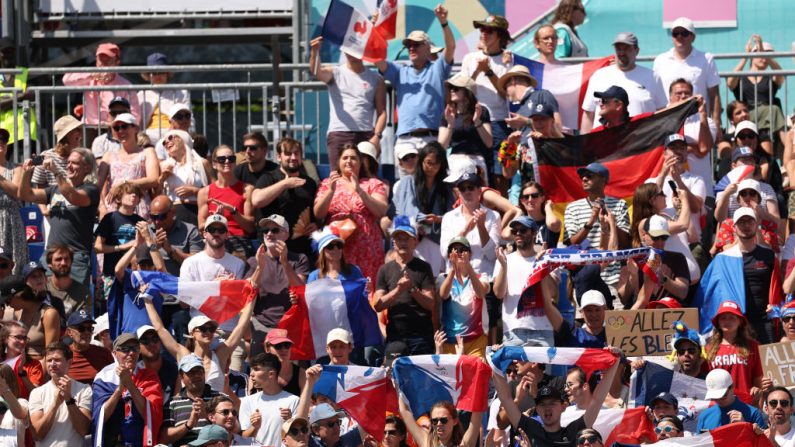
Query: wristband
{"x": 489, "y": 73}
{"x": 444, "y": 25}
{"x": 70, "y": 401}
{"x": 588, "y": 227}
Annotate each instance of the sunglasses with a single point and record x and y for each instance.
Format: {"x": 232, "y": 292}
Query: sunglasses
{"x": 589, "y": 438}
{"x": 251, "y": 147}
{"x": 467, "y": 187}
{"x": 587, "y": 175}
{"x": 487, "y": 30}
{"x": 182, "y": 116}
{"x": 666, "y": 429}
{"x": 390, "y": 433}
{"x": 532, "y": 195}
{"x": 232, "y": 411}
{"x": 333, "y": 424}
{"x": 274, "y": 230}
{"x": 659, "y": 238}
{"x": 437, "y": 421}
{"x": 335, "y": 246}
{"x": 161, "y": 216}
{"x": 454, "y": 88}
{"x": 149, "y": 340}
{"x": 746, "y": 136}
{"x": 681, "y": 34}
{"x": 121, "y": 127}
{"x": 412, "y": 45}
{"x": 206, "y": 329}
{"x": 747, "y": 193}
{"x": 216, "y": 230}
{"x": 295, "y": 431}
{"x": 775, "y": 403}
{"x": 683, "y": 351}
{"x": 282, "y": 345}
{"x": 787, "y": 319}
{"x": 460, "y": 249}
{"x": 4, "y": 265}
{"x": 116, "y": 112}
{"x": 128, "y": 348}
{"x": 522, "y": 230}
{"x": 224, "y": 159}
{"x": 85, "y": 329}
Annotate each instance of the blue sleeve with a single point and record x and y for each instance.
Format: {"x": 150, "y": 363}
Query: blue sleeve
{"x": 442, "y": 69}
{"x": 312, "y": 276}
{"x": 351, "y": 439}
{"x": 404, "y": 198}
{"x": 392, "y": 73}
{"x": 356, "y": 273}
{"x": 758, "y": 419}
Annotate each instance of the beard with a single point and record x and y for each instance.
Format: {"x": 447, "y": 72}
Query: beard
{"x": 216, "y": 244}
{"x": 291, "y": 169}
{"x": 61, "y": 273}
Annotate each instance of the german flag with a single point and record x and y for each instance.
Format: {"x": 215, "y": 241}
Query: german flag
{"x": 632, "y": 152}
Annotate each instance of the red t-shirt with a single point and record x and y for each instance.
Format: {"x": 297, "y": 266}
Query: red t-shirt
{"x": 86, "y": 364}
{"x": 743, "y": 370}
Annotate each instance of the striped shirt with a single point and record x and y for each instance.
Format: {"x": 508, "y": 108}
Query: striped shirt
{"x": 177, "y": 412}
{"x": 43, "y": 176}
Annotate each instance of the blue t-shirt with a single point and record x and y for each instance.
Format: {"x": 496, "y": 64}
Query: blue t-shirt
{"x": 716, "y": 416}
{"x": 577, "y": 337}
{"x": 420, "y": 94}
{"x": 350, "y": 439}
{"x": 355, "y": 274}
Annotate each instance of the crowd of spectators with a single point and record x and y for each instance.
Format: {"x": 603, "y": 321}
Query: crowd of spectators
{"x": 445, "y": 248}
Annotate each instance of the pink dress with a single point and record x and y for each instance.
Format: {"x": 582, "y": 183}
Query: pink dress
{"x": 121, "y": 171}
{"x": 365, "y": 247}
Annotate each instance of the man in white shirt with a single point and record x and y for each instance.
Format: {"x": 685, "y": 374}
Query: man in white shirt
{"x": 262, "y": 413}
{"x": 778, "y": 406}
{"x": 645, "y": 93}
{"x": 60, "y": 410}
{"x": 684, "y": 61}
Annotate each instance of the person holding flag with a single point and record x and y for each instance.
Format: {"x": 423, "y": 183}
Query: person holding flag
{"x": 446, "y": 429}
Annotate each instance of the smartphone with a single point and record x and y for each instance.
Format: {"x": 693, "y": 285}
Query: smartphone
{"x": 603, "y": 206}
{"x": 672, "y": 184}
{"x": 37, "y": 160}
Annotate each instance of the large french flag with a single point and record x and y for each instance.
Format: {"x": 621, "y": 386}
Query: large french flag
{"x": 219, "y": 300}
{"x": 724, "y": 281}
{"x": 326, "y": 304}
{"x": 360, "y": 391}
{"x": 426, "y": 379}
{"x": 589, "y": 359}
{"x": 617, "y": 424}
{"x": 651, "y": 380}
{"x": 736, "y": 175}
{"x": 352, "y": 31}
{"x": 568, "y": 82}
{"x": 738, "y": 434}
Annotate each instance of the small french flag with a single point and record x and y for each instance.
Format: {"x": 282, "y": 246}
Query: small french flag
{"x": 352, "y": 31}
{"x": 360, "y": 391}
{"x": 736, "y": 175}
{"x": 589, "y": 359}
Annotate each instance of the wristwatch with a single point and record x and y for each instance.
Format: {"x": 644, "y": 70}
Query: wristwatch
{"x": 588, "y": 227}
{"x": 413, "y": 289}
{"x": 153, "y": 247}
{"x": 70, "y": 401}
{"x": 489, "y": 73}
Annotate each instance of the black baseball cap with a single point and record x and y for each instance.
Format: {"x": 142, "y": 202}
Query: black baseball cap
{"x": 119, "y": 100}
{"x": 614, "y": 92}
{"x": 549, "y": 392}
{"x": 665, "y": 397}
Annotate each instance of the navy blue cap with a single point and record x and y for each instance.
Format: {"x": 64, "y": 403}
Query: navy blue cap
{"x": 673, "y": 138}
{"x": 525, "y": 221}
{"x": 665, "y": 397}
{"x": 742, "y": 151}
{"x": 13, "y": 284}
{"x": 31, "y": 267}
{"x": 156, "y": 59}
{"x": 614, "y": 92}
{"x": 119, "y": 100}
{"x": 595, "y": 168}
{"x": 79, "y": 317}
{"x": 542, "y": 109}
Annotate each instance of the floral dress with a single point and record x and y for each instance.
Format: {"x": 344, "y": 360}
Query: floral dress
{"x": 121, "y": 171}
{"x": 12, "y": 231}
{"x": 365, "y": 247}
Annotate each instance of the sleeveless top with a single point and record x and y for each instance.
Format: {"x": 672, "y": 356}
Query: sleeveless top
{"x": 578, "y": 48}
{"x": 189, "y": 173}
{"x": 232, "y": 195}
{"x": 35, "y": 347}
{"x": 120, "y": 171}
{"x": 214, "y": 376}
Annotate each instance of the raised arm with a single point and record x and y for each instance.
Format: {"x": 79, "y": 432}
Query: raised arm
{"x": 418, "y": 433}
{"x": 322, "y": 74}
{"x": 504, "y": 394}
{"x": 600, "y": 393}
{"x": 171, "y": 345}
{"x": 224, "y": 350}
{"x": 449, "y": 39}
{"x": 25, "y": 191}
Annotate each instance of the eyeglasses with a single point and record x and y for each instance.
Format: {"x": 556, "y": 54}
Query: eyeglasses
{"x": 335, "y": 245}
{"x": 332, "y": 424}
{"x": 522, "y": 230}
{"x": 683, "y": 351}
{"x": 586, "y": 175}
{"x": 232, "y": 411}
{"x": 681, "y": 34}
{"x": 19, "y": 337}
{"x": 224, "y": 159}
{"x": 408, "y": 157}
{"x": 293, "y": 431}
{"x": 532, "y": 195}
{"x": 390, "y": 433}
{"x": 121, "y": 127}
{"x": 216, "y": 230}
{"x": 437, "y": 421}
{"x": 467, "y": 187}
{"x": 251, "y": 147}
{"x": 128, "y": 348}
{"x": 4, "y": 265}
{"x": 659, "y": 238}
{"x": 606, "y": 101}
{"x": 666, "y": 429}
{"x": 206, "y": 329}
{"x": 787, "y": 319}
{"x": 274, "y": 230}
{"x": 746, "y": 135}
{"x": 161, "y": 216}
{"x": 88, "y": 328}
{"x": 775, "y": 403}
{"x": 412, "y": 45}
{"x": 152, "y": 339}
{"x": 282, "y": 345}
{"x": 182, "y": 116}
{"x": 589, "y": 438}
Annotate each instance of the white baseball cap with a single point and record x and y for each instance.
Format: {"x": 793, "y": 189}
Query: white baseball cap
{"x": 745, "y": 125}
{"x": 144, "y": 329}
{"x": 684, "y": 22}
{"x": 718, "y": 382}
{"x": 592, "y": 298}
{"x": 339, "y": 334}
{"x": 461, "y": 168}
{"x": 198, "y": 321}
{"x": 742, "y": 212}
{"x": 215, "y": 219}
{"x": 368, "y": 148}
{"x": 658, "y": 226}
{"x": 748, "y": 183}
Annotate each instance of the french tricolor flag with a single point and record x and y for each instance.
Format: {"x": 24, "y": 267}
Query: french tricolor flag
{"x": 738, "y": 434}
{"x": 327, "y": 304}
{"x": 736, "y": 175}
{"x": 352, "y": 31}
{"x": 360, "y": 391}
{"x": 589, "y": 359}
{"x": 219, "y": 300}
{"x": 424, "y": 380}
{"x": 630, "y": 425}
{"x": 568, "y": 82}
{"x": 386, "y": 25}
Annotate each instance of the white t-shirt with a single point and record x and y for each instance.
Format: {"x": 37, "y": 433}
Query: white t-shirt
{"x": 201, "y": 267}
{"x": 485, "y": 91}
{"x": 270, "y": 431}
{"x": 697, "y": 187}
{"x": 482, "y": 256}
{"x": 700, "y": 166}
{"x": 62, "y": 433}
{"x": 645, "y": 93}
{"x": 787, "y": 439}
{"x": 518, "y": 270}
{"x": 698, "y": 68}
{"x": 12, "y": 430}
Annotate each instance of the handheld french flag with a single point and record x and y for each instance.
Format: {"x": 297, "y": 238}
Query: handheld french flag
{"x": 386, "y": 25}
{"x": 352, "y": 31}
{"x": 736, "y": 175}
{"x": 360, "y": 391}
{"x": 219, "y": 300}
{"x": 589, "y": 359}
{"x": 568, "y": 82}
{"x": 424, "y": 380}
{"x": 617, "y": 424}
{"x": 327, "y": 304}
{"x": 730, "y": 435}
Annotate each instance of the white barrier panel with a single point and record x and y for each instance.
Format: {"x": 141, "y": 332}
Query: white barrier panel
{"x": 157, "y": 6}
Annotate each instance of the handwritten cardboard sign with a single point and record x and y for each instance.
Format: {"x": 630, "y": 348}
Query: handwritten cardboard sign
{"x": 778, "y": 363}
{"x": 647, "y": 331}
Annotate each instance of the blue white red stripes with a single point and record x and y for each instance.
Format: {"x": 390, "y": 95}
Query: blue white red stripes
{"x": 360, "y": 391}
{"x": 589, "y": 359}
{"x": 352, "y": 31}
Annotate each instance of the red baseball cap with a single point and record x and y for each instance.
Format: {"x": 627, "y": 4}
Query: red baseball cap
{"x": 276, "y": 336}
{"x": 729, "y": 307}
{"x": 665, "y": 303}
